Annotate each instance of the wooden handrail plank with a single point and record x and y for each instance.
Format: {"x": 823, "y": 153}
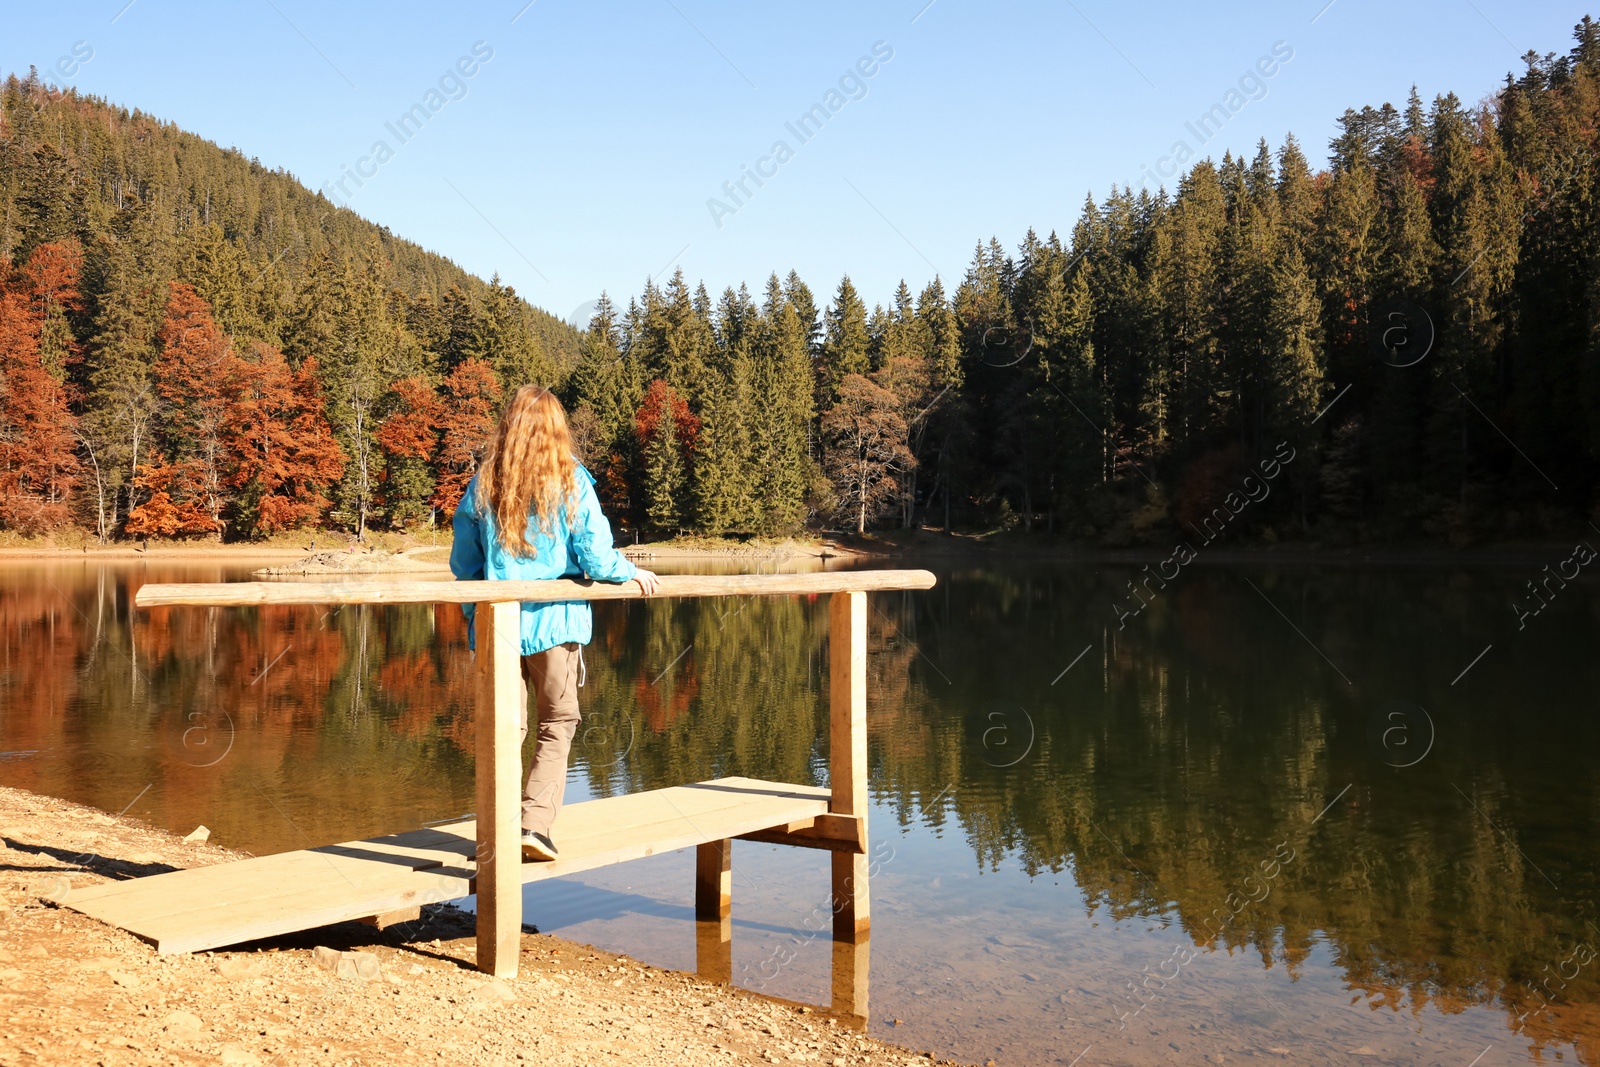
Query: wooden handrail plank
{"x": 246, "y": 594}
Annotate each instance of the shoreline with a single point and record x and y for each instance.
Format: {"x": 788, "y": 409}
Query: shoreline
{"x": 79, "y": 991}
{"x": 893, "y": 547}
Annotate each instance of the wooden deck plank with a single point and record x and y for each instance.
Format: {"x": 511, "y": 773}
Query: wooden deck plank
{"x": 264, "y": 896}
{"x": 351, "y": 861}
{"x": 304, "y": 908}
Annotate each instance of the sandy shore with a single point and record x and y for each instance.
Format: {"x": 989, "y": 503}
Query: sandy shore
{"x": 74, "y": 991}
{"x": 286, "y": 552}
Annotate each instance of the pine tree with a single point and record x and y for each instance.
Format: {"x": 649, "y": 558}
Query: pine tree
{"x": 608, "y": 382}
{"x": 784, "y": 470}
{"x": 1470, "y": 206}
{"x": 945, "y": 429}
{"x": 683, "y": 338}
{"x": 1188, "y": 268}
{"x": 1296, "y": 373}
{"x": 125, "y": 268}
{"x": 501, "y": 338}
{"x": 724, "y": 477}
{"x": 219, "y": 273}
{"x": 667, "y": 435}
{"x": 49, "y": 205}
{"x": 799, "y": 294}
{"x": 846, "y": 342}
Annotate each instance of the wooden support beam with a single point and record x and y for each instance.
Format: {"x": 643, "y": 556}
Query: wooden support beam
{"x": 851, "y": 911}
{"x": 713, "y": 910}
{"x": 236, "y": 594}
{"x": 498, "y": 629}
{"x": 713, "y": 879}
{"x": 839, "y": 833}
{"x": 391, "y": 918}
{"x": 847, "y": 755}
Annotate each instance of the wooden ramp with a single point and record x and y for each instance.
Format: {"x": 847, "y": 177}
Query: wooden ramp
{"x": 230, "y": 903}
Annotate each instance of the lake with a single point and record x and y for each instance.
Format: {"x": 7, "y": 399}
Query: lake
{"x": 1308, "y": 812}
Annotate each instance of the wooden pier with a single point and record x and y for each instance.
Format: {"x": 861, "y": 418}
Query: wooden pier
{"x": 387, "y": 879}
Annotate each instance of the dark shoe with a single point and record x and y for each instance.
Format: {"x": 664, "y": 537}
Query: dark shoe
{"x": 538, "y": 847}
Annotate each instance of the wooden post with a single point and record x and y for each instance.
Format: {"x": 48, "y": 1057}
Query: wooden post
{"x": 713, "y": 950}
{"x": 847, "y": 753}
{"x": 713, "y": 879}
{"x": 498, "y": 629}
{"x": 851, "y": 962}
{"x": 713, "y": 910}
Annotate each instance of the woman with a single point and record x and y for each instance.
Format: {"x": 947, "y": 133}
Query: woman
{"x": 531, "y": 513}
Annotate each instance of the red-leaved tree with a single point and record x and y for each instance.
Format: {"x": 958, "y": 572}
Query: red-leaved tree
{"x": 283, "y": 454}
{"x": 38, "y": 467}
{"x": 409, "y": 436}
{"x": 161, "y": 515}
{"x": 472, "y": 403}
{"x": 193, "y": 375}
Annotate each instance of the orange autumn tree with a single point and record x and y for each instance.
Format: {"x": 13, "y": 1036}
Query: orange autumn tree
{"x": 408, "y": 436}
{"x": 472, "y": 404}
{"x": 159, "y": 515}
{"x": 38, "y": 467}
{"x": 283, "y": 455}
{"x": 192, "y": 376}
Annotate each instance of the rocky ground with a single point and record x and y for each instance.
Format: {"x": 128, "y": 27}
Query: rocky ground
{"x": 74, "y": 991}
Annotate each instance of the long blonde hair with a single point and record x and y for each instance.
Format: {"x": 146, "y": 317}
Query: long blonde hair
{"x": 528, "y": 469}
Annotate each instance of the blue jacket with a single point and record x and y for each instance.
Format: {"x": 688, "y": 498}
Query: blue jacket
{"x": 577, "y": 548}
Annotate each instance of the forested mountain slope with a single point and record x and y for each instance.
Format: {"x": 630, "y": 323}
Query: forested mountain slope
{"x": 1403, "y": 343}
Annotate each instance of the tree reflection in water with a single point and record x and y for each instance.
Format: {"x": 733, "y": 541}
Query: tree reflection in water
{"x": 1172, "y": 761}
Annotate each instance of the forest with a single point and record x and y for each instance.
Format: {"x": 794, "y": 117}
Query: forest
{"x": 194, "y": 345}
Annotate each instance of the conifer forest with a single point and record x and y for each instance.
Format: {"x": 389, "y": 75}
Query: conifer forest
{"x": 1398, "y": 342}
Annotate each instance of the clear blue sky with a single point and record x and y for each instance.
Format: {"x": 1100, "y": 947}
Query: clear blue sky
{"x": 582, "y": 154}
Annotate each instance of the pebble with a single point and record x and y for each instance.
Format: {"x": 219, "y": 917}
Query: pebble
{"x": 182, "y": 1020}
{"x": 124, "y": 979}
{"x": 358, "y": 967}
{"x": 198, "y": 836}
{"x": 241, "y": 967}
{"x": 493, "y": 993}
{"x": 351, "y": 966}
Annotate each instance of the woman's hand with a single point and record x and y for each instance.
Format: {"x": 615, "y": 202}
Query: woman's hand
{"x": 649, "y": 581}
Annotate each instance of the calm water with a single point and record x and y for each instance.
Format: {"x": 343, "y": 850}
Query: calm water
{"x": 1282, "y": 810}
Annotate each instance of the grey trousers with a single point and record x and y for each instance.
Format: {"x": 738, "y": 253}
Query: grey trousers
{"x": 553, "y": 677}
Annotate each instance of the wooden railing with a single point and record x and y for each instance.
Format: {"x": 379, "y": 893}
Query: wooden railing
{"x": 497, "y": 688}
